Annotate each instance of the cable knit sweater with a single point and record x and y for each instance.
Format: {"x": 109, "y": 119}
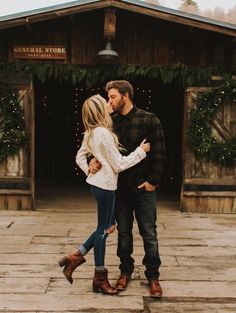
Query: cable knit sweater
{"x": 106, "y": 152}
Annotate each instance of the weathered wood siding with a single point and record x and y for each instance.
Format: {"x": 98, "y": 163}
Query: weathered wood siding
{"x": 207, "y": 186}
{"x": 16, "y": 172}
{"x": 139, "y": 39}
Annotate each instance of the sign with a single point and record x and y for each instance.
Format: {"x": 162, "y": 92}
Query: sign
{"x": 39, "y": 52}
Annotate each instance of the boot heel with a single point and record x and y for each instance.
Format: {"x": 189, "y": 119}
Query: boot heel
{"x": 96, "y": 289}
{"x": 63, "y": 262}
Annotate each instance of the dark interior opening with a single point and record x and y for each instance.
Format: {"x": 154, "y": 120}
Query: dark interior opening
{"x": 59, "y": 128}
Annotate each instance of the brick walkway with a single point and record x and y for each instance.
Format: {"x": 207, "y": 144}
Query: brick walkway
{"x": 198, "y": 253}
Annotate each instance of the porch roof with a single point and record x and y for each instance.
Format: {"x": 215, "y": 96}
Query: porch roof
{"x": 136, "y": 6}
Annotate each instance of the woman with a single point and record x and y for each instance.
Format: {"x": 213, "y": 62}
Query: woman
{"x": 102, "y": 143}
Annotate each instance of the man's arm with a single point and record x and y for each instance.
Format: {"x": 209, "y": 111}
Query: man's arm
{"x": 157, "y": 154}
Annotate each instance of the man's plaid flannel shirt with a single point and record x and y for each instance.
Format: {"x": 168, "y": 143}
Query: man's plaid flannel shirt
{"x": 131, "y": 130}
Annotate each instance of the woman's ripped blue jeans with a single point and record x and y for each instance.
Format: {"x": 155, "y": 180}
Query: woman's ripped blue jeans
{"x": 105, "y": 218}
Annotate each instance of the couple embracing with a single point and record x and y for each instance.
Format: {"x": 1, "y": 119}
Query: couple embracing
{"x": 121, "y": 139}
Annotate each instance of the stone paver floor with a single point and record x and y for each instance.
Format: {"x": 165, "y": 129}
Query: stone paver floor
{"x": 198, "y": 251}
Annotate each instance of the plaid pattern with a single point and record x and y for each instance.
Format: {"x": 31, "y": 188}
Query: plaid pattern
{"x": 131, "y": 130}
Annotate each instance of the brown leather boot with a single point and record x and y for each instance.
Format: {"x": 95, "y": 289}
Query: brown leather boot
{"x": 70, "y": 263}
{"x": 122, "y": 282}
{"x": 101, "y": 283}
{"x": 155, "y": 288}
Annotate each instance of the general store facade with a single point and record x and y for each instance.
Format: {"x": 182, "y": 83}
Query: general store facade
{"x": 54, "y": 58}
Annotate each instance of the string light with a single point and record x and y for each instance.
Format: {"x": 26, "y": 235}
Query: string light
{"x": 45, "y": 103}
{"x": 200, "y": 128}
{"x": 12, "y": 132}
{"x": 76, "y": 115}
{"x": 145, "y": 98}
{"x": 80, "y": 94}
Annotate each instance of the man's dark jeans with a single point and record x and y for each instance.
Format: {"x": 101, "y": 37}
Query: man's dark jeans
{"x": 143, "y": 205}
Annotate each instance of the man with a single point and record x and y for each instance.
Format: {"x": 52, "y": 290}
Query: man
{"x": 136, "y": 187}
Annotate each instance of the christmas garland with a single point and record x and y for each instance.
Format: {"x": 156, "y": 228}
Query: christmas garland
{"x": 12, "y": 124}
{"x": 199, "y": 134}
{"x": 91, "y": 75}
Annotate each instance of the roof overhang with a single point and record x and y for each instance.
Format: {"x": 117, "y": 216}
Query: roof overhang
{"x": 136, "y": 6}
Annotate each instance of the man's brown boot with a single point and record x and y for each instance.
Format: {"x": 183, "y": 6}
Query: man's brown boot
{"x": 123, "y": 281}
{"x": 101, "y": 283}
{"x": 155, "y": 288}
{"x": 70, "y": 263}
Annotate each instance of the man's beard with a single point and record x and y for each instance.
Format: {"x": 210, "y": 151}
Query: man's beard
{"x": 120, "y": 106}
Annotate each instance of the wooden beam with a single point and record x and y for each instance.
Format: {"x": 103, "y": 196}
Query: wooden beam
{"x": 110, "y": 24}
{"x": 184, "y": 20}
{"x": 209, "y": 193}
{"x": 210, "y": 181}
{"x": 224, "y": 133}
{"x": 14, "y": 192}
{"x": 175, "y": 18}
{"x": 54, "y": 14}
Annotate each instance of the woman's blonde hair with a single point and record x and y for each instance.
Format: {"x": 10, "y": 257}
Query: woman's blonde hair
{"x": 94, "y": 114}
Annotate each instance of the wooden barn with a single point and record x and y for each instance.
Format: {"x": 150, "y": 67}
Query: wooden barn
{"x": 52, "y": 59}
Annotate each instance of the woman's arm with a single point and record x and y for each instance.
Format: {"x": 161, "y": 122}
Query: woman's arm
{"x": 118, "y": 162}
{"x": 81, "y": 157}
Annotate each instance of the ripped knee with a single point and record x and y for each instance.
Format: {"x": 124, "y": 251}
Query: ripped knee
{"x": 111, "y": 229}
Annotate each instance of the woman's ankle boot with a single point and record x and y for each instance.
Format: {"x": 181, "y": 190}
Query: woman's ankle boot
{"x": 70, "y": 263}
{"x": 101, "y": 283}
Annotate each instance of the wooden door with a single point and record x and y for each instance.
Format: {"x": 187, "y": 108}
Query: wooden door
{"x": 17, "y": 171}
{"x": 207, "y": 186}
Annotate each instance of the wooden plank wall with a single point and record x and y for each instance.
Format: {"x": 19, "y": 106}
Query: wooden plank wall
{"x": 139, "y": 39}
{"x": 15, "y": 172}
{"x": 208, "y": 186}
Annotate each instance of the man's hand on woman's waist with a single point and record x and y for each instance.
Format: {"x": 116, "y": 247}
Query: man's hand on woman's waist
{"x": 94, "y": 166}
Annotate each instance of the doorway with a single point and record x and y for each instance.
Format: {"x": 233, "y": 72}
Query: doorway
{"x": 59, "y": 132}
{"x": 167, "y": 102}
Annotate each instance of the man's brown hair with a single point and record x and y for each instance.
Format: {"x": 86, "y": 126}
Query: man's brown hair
{"x": 122, "y": 86}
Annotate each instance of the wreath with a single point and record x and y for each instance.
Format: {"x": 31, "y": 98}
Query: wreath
{"x": 199, "y": 133}
{"x": 12, "y": 124}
